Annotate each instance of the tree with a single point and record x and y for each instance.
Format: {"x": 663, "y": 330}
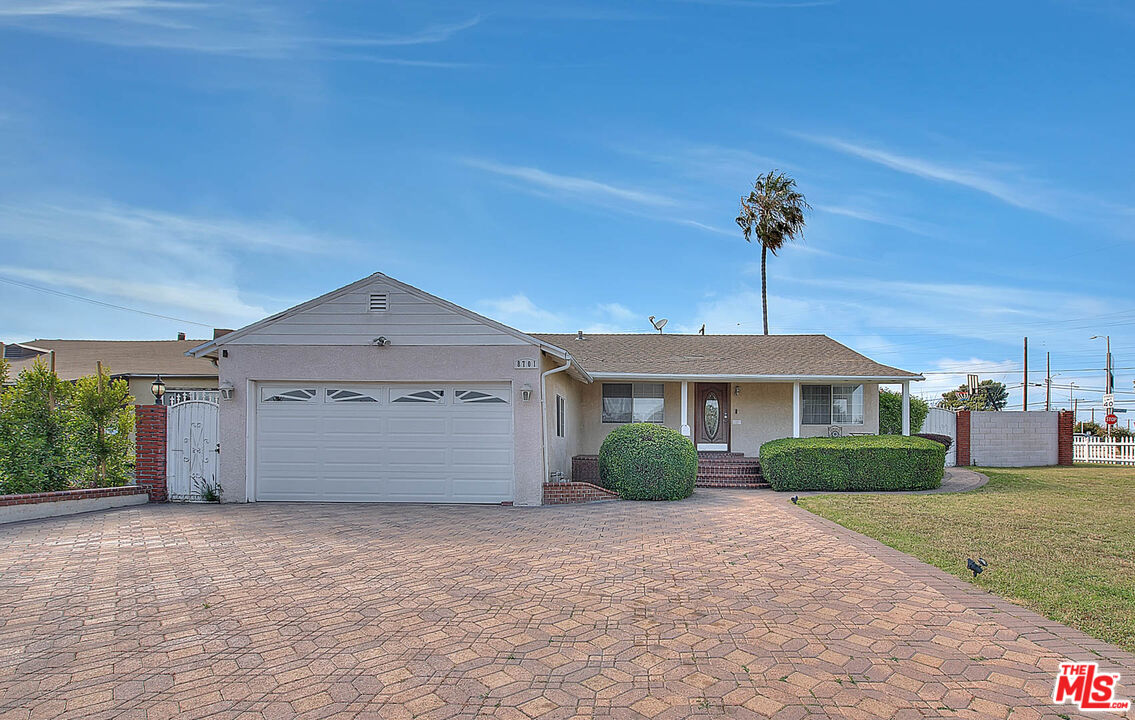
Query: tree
{"x": 103, "y": 420}
{"x": 890, "y": 413}
{"x": 35, "y": 433}
{"x": 989, "y": 395}
{"x": 1100, "y": 431}
{"x": 773, "y": 213}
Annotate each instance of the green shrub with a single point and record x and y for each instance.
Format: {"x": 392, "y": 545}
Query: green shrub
{"x": 870, "y": 462}
{"x": 56, "y": 435}
{"x": 36, "y": 434}
{"x": 644, "y": 461}
{"x": 890, "y": 413}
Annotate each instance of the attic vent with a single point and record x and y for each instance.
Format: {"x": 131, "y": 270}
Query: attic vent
{"x": 378, "y": 302}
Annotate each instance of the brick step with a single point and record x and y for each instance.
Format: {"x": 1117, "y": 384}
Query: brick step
{"x": 748, "y": 466}
{"x": 731, "y": 484}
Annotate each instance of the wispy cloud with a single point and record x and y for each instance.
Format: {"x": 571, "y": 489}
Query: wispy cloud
{"x": 915, "y": 226}
{"x": 520, "y": 312}
{"x": 982, "y": 177}
{"x": 203, "y": 299}
{"x": 248, "y": 29}
{"x": 584, "y": 188}
{"x": 178, "y": 264}
{"x": 636, "y": 201}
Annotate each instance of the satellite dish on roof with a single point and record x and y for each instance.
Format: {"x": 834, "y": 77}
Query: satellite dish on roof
{"x": 659, "y": 324}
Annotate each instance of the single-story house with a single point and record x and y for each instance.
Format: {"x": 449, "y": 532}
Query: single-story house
{"x": 138, "y": 362}
{"x": 379, "y": 391}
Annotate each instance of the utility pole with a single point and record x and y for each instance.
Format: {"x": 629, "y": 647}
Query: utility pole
{"x": 1025, "y": 389}
{"x": 1047, "y": 381}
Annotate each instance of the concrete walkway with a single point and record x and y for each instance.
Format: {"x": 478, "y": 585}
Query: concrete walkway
{"x": 732, "y": 603}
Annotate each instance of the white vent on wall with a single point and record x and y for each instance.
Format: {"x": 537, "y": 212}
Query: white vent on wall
{"x": 378, "y": 302}
{"x": 526, "y": 363}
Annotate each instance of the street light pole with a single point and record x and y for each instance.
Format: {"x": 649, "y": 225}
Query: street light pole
{"x": 1106, "y": 372}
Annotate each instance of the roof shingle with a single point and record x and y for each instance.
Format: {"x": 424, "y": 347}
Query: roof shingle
{"x": 662, "y": 354}
{"x": 77, "y": 358}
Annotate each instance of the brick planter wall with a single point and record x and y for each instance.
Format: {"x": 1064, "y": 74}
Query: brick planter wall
{"x": 64, "y": 495}
{"x": 585, "y": 468}
{"x": 150, "y": 450}
{"x": 963, "y": 454}
{"x": 1065, "y": 425}
{"x": 575, "y": 492}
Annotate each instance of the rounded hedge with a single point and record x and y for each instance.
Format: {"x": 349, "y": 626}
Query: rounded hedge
{"x": 869, "y": 462}
{"x": 644, "y": 461}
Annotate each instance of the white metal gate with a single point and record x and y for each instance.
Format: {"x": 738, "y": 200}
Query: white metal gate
{"x": 944, "y": 422}
{"x": 192, "y": 449}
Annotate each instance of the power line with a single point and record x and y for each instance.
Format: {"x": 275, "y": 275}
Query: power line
{"x": 60, "y": 293}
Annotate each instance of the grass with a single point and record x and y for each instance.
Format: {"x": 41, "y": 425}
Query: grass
{"x": 1059, "y": 541}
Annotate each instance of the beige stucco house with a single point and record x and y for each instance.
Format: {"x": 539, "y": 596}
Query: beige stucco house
{"x": 138, "y": 362}
{"x": 379, "y": 391}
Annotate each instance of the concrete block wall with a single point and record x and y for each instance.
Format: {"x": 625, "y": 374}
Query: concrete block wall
{"x": 1013, "y": 438}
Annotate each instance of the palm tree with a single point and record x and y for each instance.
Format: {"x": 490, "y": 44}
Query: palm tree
{"x": 774, "y": 212}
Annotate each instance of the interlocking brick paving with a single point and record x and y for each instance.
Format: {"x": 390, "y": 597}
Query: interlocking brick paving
{"x": 731, "y": 603}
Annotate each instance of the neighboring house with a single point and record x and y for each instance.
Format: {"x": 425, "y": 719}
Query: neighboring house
{"x": 379, "y": 391}
{"x": 136, "y": 361}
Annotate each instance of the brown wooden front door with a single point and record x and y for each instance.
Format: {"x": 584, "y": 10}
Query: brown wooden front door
{"x": 711, "y": 415}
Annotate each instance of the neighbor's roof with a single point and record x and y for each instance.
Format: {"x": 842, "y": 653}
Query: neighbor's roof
{"x": 77, "y": 358}
{"x": 720, "y": 355}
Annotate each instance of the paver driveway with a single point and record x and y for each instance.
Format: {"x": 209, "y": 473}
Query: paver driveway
{"x": 731, "y": 603}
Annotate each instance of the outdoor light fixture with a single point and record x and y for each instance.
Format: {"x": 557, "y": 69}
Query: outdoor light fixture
{"x": 526, "y": 392}
{"x": 158, "y": 388}
{"x": 226, "y": 389}
{"x": 736, "y": 391}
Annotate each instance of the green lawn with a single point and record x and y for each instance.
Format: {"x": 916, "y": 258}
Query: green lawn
{"x": 1060, "y": 541}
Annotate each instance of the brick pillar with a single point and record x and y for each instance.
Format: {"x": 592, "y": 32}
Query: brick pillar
{"x": 963, "y": 438}
{"x": 1065, "y": 425}
{"x": 150, "y": 450}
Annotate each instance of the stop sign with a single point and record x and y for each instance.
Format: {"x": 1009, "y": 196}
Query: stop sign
{"x": 1111, "y": 419}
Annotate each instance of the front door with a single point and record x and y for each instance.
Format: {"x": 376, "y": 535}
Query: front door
{"x": 711, "y": 416}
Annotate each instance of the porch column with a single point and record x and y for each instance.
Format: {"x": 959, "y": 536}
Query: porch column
{"x": 796, "y": 409}
{"x": 686, "y": 409}
{"x": 906, "y": 408}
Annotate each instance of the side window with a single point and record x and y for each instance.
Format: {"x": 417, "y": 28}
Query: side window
{"x": 561, "y": 413}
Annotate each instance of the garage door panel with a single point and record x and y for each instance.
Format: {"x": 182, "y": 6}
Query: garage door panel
{"x": 442, "y": 449}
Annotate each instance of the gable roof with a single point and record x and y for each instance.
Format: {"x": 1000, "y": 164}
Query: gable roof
{"x": 756, "y": 356}
{"x": 77, "y": 358}
{"x": 212, "y": 346}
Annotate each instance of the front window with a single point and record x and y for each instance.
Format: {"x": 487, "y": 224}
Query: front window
{"x": 832, "y": 404}
{"x": 633, "y": 402}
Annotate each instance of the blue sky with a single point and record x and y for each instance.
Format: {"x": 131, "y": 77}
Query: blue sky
{"x": 573, "y": 165}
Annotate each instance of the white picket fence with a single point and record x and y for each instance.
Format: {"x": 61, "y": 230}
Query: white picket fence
{"x": 1101, "y": 450}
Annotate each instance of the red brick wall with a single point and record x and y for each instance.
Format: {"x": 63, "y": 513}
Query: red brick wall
{"x": 963, "y": 438}
{"x": 575, "y": 492}
{"x": 150, "y": 450}
{"x": 63, "y": 495}
{"x": 1065, "y": 424}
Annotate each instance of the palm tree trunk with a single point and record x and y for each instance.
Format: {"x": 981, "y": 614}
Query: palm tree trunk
{"x": 764, "y": 285}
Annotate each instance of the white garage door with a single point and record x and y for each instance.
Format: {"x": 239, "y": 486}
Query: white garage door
{"x": 350, "y": 442}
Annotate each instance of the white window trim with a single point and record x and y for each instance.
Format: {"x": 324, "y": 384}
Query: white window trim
{"x": 831, "y": 400}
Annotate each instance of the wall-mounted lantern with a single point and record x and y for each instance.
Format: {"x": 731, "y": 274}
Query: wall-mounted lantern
{"x": 526, "y": 392}
{"x": 158, "y": 388}
{"x": 226, "y": 389}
